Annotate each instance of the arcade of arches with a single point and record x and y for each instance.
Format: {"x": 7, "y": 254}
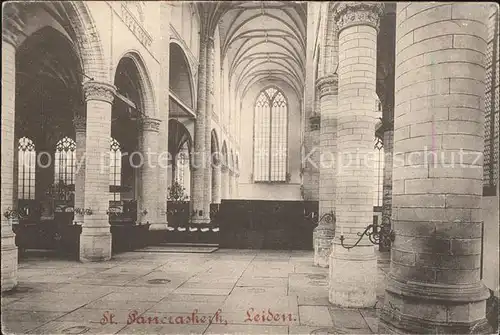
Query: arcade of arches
{"x": 122, "y": 114}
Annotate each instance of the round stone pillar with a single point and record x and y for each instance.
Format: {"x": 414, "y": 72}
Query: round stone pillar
{"x": 164, "y": 98}
{"x": 9, "y": 249}
{"x": 310, "y": 179}
{"x": 323, "y": 236}
{"x": 353, "y": 272}
{"x": 216, "y": 181}
{"x": 434, "y": 283}
{"x": 147, "y": 211}
{"x": 231, "y": 184}
{"x": 385, "y": 243}
{"x": 95, "y": 239}
{"x": 236, "y": 185}
{"x": 327, "y": 87}
{"x": 207, "y": 197}
{"x": 199, "y": 214}
{"x": 224, "y": 182}
{"x": 80, "y": 138}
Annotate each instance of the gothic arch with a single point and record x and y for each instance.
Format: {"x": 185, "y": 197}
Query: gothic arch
{"x": 225, "y": 158}
{"x": 145, "y": 86}
{"x": 178, "y": 135}
{"x": 178, "y": 51}
{"x": 232, "y": 160}
{"x": 215, "y": 141}
{"x": 72, "y": 17}
{"x": 90, "y": 49}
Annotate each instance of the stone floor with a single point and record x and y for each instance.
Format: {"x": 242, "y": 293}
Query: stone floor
{"x": 225, "y": 292}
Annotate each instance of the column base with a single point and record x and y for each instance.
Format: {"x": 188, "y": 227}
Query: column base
{"x": 322, "y": 242}
{"x": 395, "y": 322}
{"x": 353, "y": 276}
{"x": 9, "y": 262}
{"x": 433, "y": 308}
{"x": 322, "y": 251}
{"x": 95, "y": 247}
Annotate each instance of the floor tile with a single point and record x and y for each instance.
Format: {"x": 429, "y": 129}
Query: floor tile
{"x": 148, "y": 329}
{"x": 348, "y": 318}
{"x": 68, "y": 327}
{"x": 216, "y": 329}
{"x": 315, "y": 316}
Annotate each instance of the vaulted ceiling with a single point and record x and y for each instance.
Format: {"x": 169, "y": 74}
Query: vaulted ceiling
{"x": 264, "y": 39}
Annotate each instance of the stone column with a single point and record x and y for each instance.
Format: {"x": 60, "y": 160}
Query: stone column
{"x": 434, "y": 283}
{"x": 311, "y": 156}
{"x": 231, "y": 183}
{"x": 9, "y": 249}
{"x": 80, "y": 138}
{"x": 237, "y": 184}
{"x": 387, "y": 186}
{"x": 325, "y": 231}
{"x": 147, "y": 206}
{"x": 164, "y": 98}
{"x": 224, "y": 182}
{"x": 208, "y": 125}
{"x": 216, "y": 181}
{"x": 310, "y": 174}
{"x": 95, "y": 239}
{"x": 199, "y": 212}
{"x": 353, "y": 272}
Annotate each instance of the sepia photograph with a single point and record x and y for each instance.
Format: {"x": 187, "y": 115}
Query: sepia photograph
{"x": 250, "y": 167}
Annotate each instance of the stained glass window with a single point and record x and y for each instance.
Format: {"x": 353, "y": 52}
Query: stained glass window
{"x": 115, "y": 168}
{"x": 26, "y": 169}
{"x": 270, "y": 136}
{"x": 65, "y": 161}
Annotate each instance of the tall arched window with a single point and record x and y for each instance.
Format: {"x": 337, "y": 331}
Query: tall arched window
{"x": 26, "y": 169}
{"x": 65, "y": 161}
{"x": 379, "y": 172}
{"x": 115, "y": 169}
{"x": 270, "y": 136}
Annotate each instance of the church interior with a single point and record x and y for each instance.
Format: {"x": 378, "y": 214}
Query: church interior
{"x": 250, "y": 167}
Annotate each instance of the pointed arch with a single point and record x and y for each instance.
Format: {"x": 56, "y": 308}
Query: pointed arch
{"x": 143, "y": 82}
{"x": 178, "y": 135}
{"x": 225, "y": 159}
{"x": 181, "y": 74}
{"x": 215, "y": 141}
{"x": 75, "y": 19}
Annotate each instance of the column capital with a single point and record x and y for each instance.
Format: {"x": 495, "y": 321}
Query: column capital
{"x": 95, "y": 90}
{"x": 150, "y": 124}
{"x": 348, "y": 14}
{"x": 328, "y": 85}
{"x": 80, "y": 123}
